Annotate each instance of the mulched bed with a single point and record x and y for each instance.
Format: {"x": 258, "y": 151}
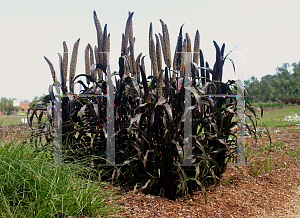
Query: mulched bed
{"x": 274, "y": 193}
{"x": 8, "y": 133}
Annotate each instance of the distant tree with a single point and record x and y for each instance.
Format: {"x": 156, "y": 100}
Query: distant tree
{"x": 284, "y": 84}
{"x": 6, "y": 105}
{"x": 37, "y": 99}
{"x": 3, "y": 105}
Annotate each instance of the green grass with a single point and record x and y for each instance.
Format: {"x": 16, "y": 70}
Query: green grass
{"x": 294, "y": 154}
{"x": 273, "y": 104}
{"x": 258, "y": 166}
{"x": 34, "y": 187}
{"x": 11, "y": 119}
{"x": 295, "y": 130}
{"x": 281, "y": 164}
{"x": 265, "y": 147}
{"x": 267, "y": 164}
{"x": 6, "y": 120}
{"x": 254, "y": 169}
{"x": 275, "y": 118}
{"x": 251, "y": 154}
{"x": 227, "y": 180}
{"x": 279, "y": 144}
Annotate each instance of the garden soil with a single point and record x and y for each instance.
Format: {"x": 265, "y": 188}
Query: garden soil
{"x": 273, "y": 193}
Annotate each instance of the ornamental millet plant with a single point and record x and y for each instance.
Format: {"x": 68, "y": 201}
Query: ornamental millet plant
{"x": 148, "y": 113}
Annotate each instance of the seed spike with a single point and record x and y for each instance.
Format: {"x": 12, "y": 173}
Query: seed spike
{"x": 196, "y": 48}
{"x": 177, "y": 54}
{"x": 65, "y": 65}
{"x": 182, "y": 68}
{"x": 51, "y": 69}
{"x": 137, "y": 67}
{"x": 92, "y": 61}
{"x": 167, "y": 55}
{"x": 159, "y": 85}
{"x": 128, "y": 30}
{"x": 188, "y": 43}
{"x": 103, "y": 56}
{"x": 87, "y": 63}
{"x": 158, "y": 54}
{"x": 152, "y": 54}
{"x": 202, "y": 70}
{"x": 99, "y": 31}
{"x": 163, "y": 46}
{"x": 167, "y": 83}
{"x": 124, "y": 49}
{"x": 145, "y": 84}
{"x": 153, "y": 59}
{"x": 73, "y": 65}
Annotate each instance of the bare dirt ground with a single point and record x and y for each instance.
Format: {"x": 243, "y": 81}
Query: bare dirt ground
{"x": 19, "y": 131}
{"x": 269, "y": 193}
{"x": 273, "y": 193}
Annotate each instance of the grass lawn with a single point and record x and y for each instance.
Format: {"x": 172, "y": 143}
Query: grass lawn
{"x": 275, "y": 118}
{"x": 6, "y": 120}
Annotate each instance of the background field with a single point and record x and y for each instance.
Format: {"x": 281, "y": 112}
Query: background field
{"x": 6, "y": 120}
{"x": 275, "y": 118}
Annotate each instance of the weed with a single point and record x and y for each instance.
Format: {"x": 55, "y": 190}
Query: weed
{"x": 279, "y": 144}
{"x": 266, "y": 147}
{"x": 267, "y": 164}
{"x": 281, "y": 164}
{"x": 295, "y": 130}
{"x": 294, "y": 154}
{"x": 251, "y": 154}
{"x": 255, "y": 170}
{"x": 226, "y": 181}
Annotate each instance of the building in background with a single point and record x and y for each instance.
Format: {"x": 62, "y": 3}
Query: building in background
{"x": 24, "y": 106}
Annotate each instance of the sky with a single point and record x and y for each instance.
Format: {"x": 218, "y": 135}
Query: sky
{"x": 268, "y": 31}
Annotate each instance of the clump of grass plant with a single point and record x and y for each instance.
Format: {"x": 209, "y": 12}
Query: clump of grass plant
{"x": 31, "y": 186}
{"x": 261, "y": 165}
{"x": 228, "y": 180}
{"x": 255, "y": 169}
{"x": 267, "y": 164}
